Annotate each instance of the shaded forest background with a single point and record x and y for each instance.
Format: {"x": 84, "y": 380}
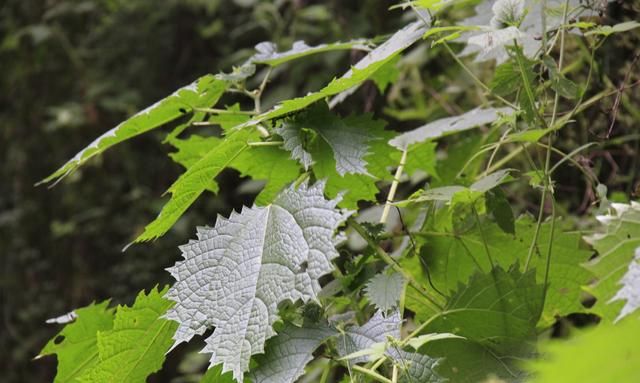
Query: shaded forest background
{"x": 70, "y": 70}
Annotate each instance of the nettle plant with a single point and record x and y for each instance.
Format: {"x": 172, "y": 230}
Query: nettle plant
{"x": 309, "y": 281}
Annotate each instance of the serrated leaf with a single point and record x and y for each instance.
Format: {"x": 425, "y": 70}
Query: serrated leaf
{"x": 376, "y": 330}
{"x": 270, "y": 164}
{"x": 76, "y": 345}
{"x": 191, "y": 150}
{"x": 136, "y": 345}
{"x": 366, "y": 67}
{"x": 348, "y": 138}
{"x": 449, "y": 125}
{"x": 356, "y": 187}
{"x": 454, "y": 260}
{"x": 607, "y": 353}
{"x": 287, "y": 354}
{"x": 414, "y": 367}
{"x": 235, "y": 274}
{"x": 387, "y": 74}
{"x": 607, "y": 30}
{"x": 267, "y": 52}
{"x": 630, "y": 290}
{"x": 529, "y": 26}
{"x": 498, "y": 309}
{"x": 188, "y": 187}
{"x": 203, "y": 92}
{"x": 616, "y": 247}
{"x": 384, "y": 290}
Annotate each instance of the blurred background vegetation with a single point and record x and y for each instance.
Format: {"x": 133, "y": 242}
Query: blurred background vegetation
{"x": 70, "y": 70}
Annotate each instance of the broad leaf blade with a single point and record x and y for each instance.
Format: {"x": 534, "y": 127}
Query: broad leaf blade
{"x": 267, "y": 52}
{"x": 136, "y": 345}
{"x": 287, "y": 354}
{"x": 76, "y": 345}
{"x": 616, "y": 249}
{"x": 201, "y": 93}
{"x": 384, "y": 290}
{"x": 235, "y": 274}
{"x": 449, "y": 125}
{"x": 194, "y": 181}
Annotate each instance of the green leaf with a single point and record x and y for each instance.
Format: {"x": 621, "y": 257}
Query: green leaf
{"x": 188, "y": 187}
{"x": 453, "y": 260}
{"x": 234, "y": 276}
{"x": 270, "y": 164}
{"x": 606, "y": 30}
{"x": 76, "y": 346}
{"x": 499, "y": 207}
{"x": 384, "y": 290}
{"x": 287, "y": 354}
{"x": 506, "y": 79}
{"x": 387, "y": 74}
{"x": 421, "y": 157}
{"x": 562, "y": 85}
{"x": 498, "y": 309}
{"x": 203, "y": 92}
{"x": 191, "y": 150}
{"x": 449, "y": 125}
{"x": 267, "y": 52}
{"x": 616, "y": 247}
{"x": 136, "y": 345}
{"x": 607, "y": 353}
{"x": 215, "y": 375}
{"x": 360, "y": 72}
{"x": 496, "y": 312}
{"x": 357, "y": 187}
{"x": 348, "y": 138}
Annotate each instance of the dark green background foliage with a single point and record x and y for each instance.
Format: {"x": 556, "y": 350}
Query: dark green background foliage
{"x": 70, "y": 70}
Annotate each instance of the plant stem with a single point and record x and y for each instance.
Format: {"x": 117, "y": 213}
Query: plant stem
{"x": 476, "y": 79}
{"x": 265, "y": 143}
{"x": 394, "y": 186}
{"x": 394, "y": 265}
{"x": 371, "y": 374}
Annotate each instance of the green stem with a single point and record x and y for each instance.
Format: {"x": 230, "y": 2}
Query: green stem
{"x": 371, "y": 374}
{"x": 476, "y": 79}
{"x": 436, "y": 306}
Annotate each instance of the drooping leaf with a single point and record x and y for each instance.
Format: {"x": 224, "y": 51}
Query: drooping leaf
{"x": 76, "y": 346}
{"x": 384, "y": 290}
{"x": 194, "y": 181}
{"x": 348, "y": 138}
{"x": 616, "y": 247}
{"x": 235, "y": 274}
{"x": 454, "y": 260}
{"x": 287, "y": 354}
{"x": 414, "y": 367}
{"x": 607, "y": 353}
{"x": 203, "y": 92}
{"x": 360, "y": 72}
{"x": 630, "y": 290}
{"x": 136, "y": 345}
{"x": 449, "y": 125}
{"x": 267, "y": 52}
